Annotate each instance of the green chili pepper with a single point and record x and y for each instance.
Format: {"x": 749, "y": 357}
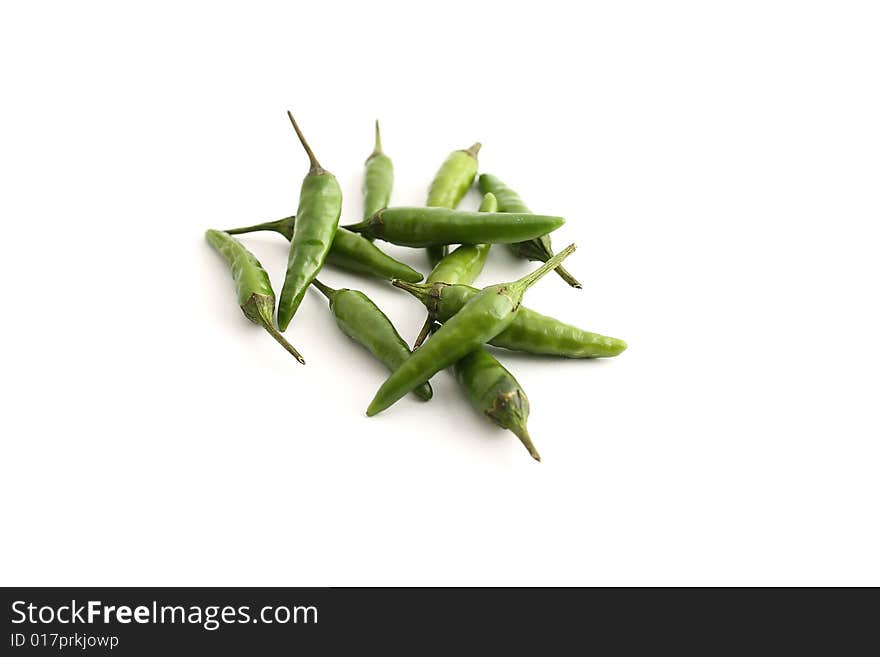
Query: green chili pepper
{"x": 495, "y": 392}
{"x": 419, "y": 227}
{"x": 538, "y": 248}
{"x": 378, "y": 179}
{"x": 451, "y": 182}
{"x": 349, "y": 251}
{"x": 362, "y": 321}
{"x": 461, "y": 266}
{"x": 320, "y": 204}
{"x": 465, "y": 263}
{"x": 255, "y": 295}
{"x": 487, "y": 314}
{"x": 488, "y": 385}
{"x": 530, "y": 331}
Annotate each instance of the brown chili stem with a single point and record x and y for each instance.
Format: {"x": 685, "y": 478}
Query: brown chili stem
{"x": 523, "y": 434}
{"x": 568, "y": 278}
{"x": 280, "y": 338}
{"x": 426, "y": 329}
{"x": 474, "y": 149}
{"x": 313, "y": 161}
{"x": 533, "y": 277}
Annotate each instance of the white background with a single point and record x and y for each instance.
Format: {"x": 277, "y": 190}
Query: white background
{"x": 717, "y": 163}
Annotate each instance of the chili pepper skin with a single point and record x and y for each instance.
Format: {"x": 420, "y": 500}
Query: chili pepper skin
{"x": 465, "y": 263}
{"x": 420, "y": 227}
{"x": 491, "y": 389}
{"x": 461, "y": 266}
{"x": 451, "y": 182}
{"x": 538, "y": 248}
{"x": 320, "y": 204}
{"x": 487, "y": 314}
{"x": 361, "y": 320}
{"x": 378, "y": 179}
{"x": 352, "y": 252}
{"x": 349, "y": 251}
{"x": 255, "y": 295}
{"x": 495, "y": 392}
{"x": 530, "y": 331}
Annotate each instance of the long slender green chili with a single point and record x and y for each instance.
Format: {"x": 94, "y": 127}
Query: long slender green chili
{"x": 320, "y": 204}
{"x": 489, "y": 386}
{"x": 483, "y": 317}
{"x": 349, "y": 251}
{"x": 495, "y": 392}
{"x": 461, "y": 266}
{"x": 362, "y": 321}
{"x": 538, "y": 248}
{"x": 530, "y": 331}
{"x": 378, "y": 179}
{"x": 420, "y": 227}
{"x": 255, "y": 295}
{"x": 451, "y": 182}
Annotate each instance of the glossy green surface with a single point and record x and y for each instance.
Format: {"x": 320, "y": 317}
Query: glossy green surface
{"x": 451, "y": 182}
{"x": 354, "y": 253}
{"x": 461, "y": 266}
{"x": 538, "y": 248}
{"x": 362, "y": 320}
{"x": 465, "y": 263}
{"x": 349, "y": 251}
{"x": 252, "y": 286}
{"x": 378, "y": 179}
{"x": 489, "y": 386}
{"x": 494, "y": 391}
{"x": 420, "y": 227}
{"x": 482, "y": 318}
{"x": 247, "y": 272}
{"x": 530, "y": 331}
{"x": 320, "y": 204}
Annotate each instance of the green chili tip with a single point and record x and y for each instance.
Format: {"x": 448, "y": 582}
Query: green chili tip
{"x": 315, "y": 166}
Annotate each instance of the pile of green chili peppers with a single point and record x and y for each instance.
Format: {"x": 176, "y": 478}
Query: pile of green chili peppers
{"x": 461, "y": 320}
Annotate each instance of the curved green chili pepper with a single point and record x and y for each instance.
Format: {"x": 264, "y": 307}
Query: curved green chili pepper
{"x": 496, "y": 393}
{"x": 349, "y": 251}
{"x": 538, "y": 248}
{"x": 461, "y": 266}
{"x": 378, "y": 179}
{"x": 320, "y": 204}
{"x": 451, "y": 182}
{"x": 530, "y": 331}
{"x": 255, "y": 295}
{"x": 362, "y": 321}
{"x": 487, "y": 314}
{"x": 418, "y": 227}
